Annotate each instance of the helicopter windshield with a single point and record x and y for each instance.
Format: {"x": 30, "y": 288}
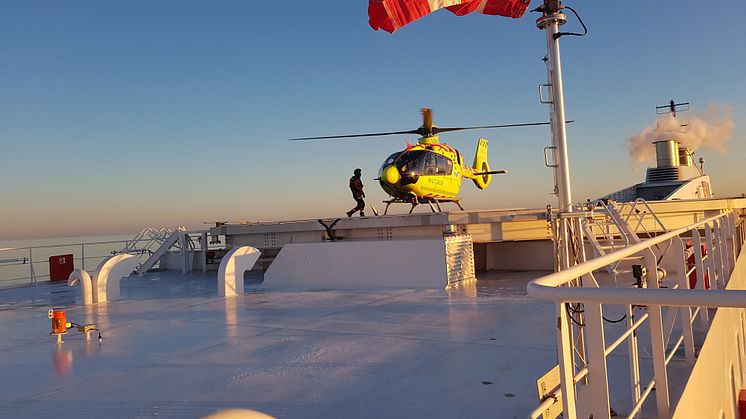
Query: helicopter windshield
{"x": 422, "y": 162}
{"x": 389, "y": 160}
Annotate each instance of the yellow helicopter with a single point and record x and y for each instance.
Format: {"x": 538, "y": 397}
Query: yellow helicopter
{"x": 430, "y": 171}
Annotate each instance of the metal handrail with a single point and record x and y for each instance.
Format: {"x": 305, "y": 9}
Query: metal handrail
{"x": 550, "y": 287}
{"x": 725, "y": 238}
{"x": 77, "y": 248}
{"x": 49, "y": 246}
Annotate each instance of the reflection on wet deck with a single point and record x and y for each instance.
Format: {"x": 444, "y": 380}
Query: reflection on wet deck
{"x": 173, "y": 348}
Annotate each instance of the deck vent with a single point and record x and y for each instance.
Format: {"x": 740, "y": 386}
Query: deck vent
{"x": 662, "y": 174}
{"x": 459, "y": 258}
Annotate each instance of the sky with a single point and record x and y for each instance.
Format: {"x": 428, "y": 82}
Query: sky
{"x": 116, "y": 115}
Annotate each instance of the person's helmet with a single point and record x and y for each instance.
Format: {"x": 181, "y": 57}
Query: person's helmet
{"x": 357, "y": 172}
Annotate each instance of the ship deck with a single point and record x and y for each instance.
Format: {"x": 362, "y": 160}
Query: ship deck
{"x": 172, "y": 347}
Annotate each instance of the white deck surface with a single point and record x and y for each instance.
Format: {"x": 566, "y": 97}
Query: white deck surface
{"x": 173, "y": 348}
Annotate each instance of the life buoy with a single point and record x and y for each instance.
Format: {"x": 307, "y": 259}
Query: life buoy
{"x": 691, "y": 263}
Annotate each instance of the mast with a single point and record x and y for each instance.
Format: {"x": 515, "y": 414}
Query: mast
{"x": 550, "y": 21}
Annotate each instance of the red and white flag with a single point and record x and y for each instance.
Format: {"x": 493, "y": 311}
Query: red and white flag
{"x": 391, "y": 15}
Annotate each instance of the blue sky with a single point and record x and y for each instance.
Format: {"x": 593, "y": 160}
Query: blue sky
{"x": 116, "y": 115}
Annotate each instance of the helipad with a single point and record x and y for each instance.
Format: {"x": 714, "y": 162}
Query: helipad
{"x": 172, "y": 348}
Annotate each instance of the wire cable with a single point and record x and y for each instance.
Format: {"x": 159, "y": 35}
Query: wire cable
{"x": 585, "y": 30}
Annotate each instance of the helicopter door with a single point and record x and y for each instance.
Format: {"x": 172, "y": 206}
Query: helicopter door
{"x": 431, "y": 164}
{"x": 445, "y": 165}
{"x": 450, "y": 182}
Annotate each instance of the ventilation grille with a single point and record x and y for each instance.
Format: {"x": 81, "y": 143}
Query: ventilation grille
{"x": 662, "y": 174}
{"x": 459, "y": 258}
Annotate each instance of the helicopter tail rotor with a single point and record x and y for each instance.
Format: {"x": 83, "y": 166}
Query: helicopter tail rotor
{"x": 483, "y": 177}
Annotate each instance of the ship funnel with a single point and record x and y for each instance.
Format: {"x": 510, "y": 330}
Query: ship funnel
{"x": 667, "y": 153}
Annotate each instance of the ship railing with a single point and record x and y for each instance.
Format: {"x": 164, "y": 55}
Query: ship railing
{"x": 580, "y": 302}
{"x": 30, "y": 264}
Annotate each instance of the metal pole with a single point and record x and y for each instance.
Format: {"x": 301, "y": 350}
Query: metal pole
{"x": 31, "y": 266}
{"x": 550, "y": 21}
{"x": 204, "y": 251}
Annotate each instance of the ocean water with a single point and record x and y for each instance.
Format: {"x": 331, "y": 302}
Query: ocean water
{"x": 87, "y": 252}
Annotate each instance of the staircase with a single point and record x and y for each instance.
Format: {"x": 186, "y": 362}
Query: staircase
{"x": 611, "y": 227}
{"x": 154, "y": 242}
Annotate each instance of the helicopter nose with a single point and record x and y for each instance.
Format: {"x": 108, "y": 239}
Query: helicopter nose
{"x": 390, "y": 175}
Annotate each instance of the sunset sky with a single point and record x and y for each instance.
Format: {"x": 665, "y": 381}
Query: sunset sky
{"x": 117, "y": 115}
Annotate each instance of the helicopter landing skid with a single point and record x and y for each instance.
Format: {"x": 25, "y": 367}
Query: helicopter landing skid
{"x": 414, "y": 203}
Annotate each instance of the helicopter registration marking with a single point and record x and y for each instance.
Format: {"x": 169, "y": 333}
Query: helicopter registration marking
{"x": 438, "y": 182}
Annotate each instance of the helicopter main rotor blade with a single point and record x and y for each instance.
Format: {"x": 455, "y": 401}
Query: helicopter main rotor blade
{"x": 527, "y": 124}
{"x": 423, "y": 130}
{"x": 376, "y": 134}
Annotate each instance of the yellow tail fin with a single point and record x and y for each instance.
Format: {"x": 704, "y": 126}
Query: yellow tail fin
{"x": 481, "y": 165}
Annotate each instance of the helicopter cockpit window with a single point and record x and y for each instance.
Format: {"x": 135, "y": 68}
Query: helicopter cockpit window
{"x": 389, "y": 160}
{"x": 421, "y": 162}
{"x": 431, "y": 164}
{"x": 411, "y": 163}
{"x": 445, "y": 165}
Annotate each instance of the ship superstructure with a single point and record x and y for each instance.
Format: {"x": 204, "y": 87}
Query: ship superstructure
{"x": 675, "y": 177}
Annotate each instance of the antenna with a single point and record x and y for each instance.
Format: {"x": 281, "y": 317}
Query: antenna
{"x": 672, "y": 107}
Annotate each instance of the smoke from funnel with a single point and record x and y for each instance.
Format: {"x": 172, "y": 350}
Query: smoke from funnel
{"x": 710, "y": 130}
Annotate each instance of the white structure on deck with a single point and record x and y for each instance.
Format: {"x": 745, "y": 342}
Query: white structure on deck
{"x": 676, "y": 177}
{"x": 417, "y": 263}
{"x": 232, "y": 268}
{"x": 103, "y": 285}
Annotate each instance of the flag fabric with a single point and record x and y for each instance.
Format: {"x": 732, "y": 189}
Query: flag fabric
{"x": 391, "y": 15}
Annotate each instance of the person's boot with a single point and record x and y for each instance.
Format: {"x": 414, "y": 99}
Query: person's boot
{"x": 362, "y": 214}
{"x": 349, "y": 214}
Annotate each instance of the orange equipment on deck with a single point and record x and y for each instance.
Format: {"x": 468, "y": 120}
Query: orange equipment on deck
{"x": 59, "y": 321}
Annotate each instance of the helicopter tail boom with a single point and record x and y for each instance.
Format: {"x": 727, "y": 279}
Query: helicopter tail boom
{"x": 482, "y": 177}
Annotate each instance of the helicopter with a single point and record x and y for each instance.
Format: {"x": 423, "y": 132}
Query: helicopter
{"x": 430, "y": 172}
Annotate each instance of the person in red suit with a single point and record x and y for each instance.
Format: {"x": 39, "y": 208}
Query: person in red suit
{"x": 356, "y": 187}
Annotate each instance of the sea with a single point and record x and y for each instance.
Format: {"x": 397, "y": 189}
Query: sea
{"x": 26, "y": 262}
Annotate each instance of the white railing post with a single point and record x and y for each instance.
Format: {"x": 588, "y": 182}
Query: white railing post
{"x": 598, "y": 392}
{"x": 710, "y": 259}
{"x": 731, "y": 241}
{"x": 634, "y": 360}
{"x": 717, "y": 246}
{"x": 657, "y": 340}
{"x": 679, "y": 261}
{"x": 699, "y": 265}
{"x": 82, "y": 256}
{"x": 565, "y": 356}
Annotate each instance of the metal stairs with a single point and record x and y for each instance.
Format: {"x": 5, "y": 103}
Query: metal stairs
{"x": 610, "y": 227}
{"x": 154, "y": 242}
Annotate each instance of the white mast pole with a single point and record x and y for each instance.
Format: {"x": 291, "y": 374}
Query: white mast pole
{"x": 550, "y": 21}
